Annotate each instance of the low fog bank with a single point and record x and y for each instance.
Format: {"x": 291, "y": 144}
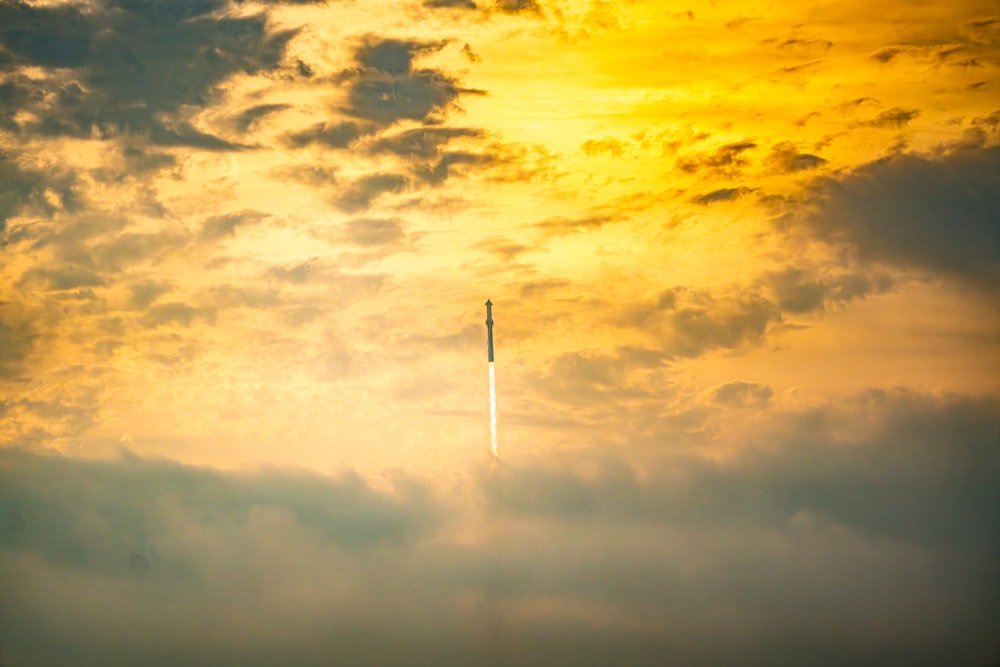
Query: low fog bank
{"x": 805, "y": 548}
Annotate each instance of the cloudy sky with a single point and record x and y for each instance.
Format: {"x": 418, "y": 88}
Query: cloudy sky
{"x": 745, "y": 266}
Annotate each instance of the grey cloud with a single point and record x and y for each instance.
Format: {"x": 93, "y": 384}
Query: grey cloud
{"x": 689, "y": 322}
{"x": 561, "y": 226}
{"x": 17, "y": 338}
{"x": 423, "y": 143}
{"x": 785, "y": 157}
{"x": 24, "y": 189}
{"x": 727, "y": 159}
{"x": 255, "y": 114}
{"x": 806, "y": 44}
{"x": 374, "y": 231}
{"x": 220, "y": 226}
{"x": 801, "y": 291}
{"x": 228, "y": 296}
{"x": 361, "y": 193}
{"x": 60, "y": 279}
{"x": 597, "y": 558}
{"x": 424, "y": 149}
{"x": 699, "y": 326}
{"x": 895, "y": 117}
{"x": 313, "y": 175}
{"x": 146, "y": 292}
{"x": 347, "y": 285}
{"x": 518, "y": 6}
{"x": 131, "y": 67}
{"x": 504, "y": 248}
{"x": 933, "y": 214}
{"x": 741, "y": 393}
{"x": 385, "y": 87}
{"x": 888, "y": 54}
{"x": 436, "y": 174}
{"x": 721, "y": 195}
{"x": 333, "y": 135}
{"x": 177, "y": 313}
{"x": 450, "y": 4}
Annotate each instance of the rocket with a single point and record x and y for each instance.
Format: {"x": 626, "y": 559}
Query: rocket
{"x": 489, "y": 330}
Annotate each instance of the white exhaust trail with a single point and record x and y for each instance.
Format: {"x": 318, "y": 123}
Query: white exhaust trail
{"x": 493, "y": 415}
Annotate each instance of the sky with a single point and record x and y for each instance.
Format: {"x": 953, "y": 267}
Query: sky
{"x": 744, "y": 260}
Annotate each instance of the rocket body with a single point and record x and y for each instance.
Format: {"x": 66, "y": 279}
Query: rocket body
{"x": 489, "y": 330}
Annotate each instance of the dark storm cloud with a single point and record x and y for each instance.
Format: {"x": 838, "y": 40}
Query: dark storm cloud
{"x": 129, "y": 67}
{"x": 385, "y": 87}
{"x": 932, "y": 214}
{"x": 805, "y": 540}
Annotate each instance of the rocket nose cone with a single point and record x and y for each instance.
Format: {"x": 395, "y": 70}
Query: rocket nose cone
{"x": 488, "y": 302}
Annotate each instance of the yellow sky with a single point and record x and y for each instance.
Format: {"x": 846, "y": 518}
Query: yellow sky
{"x": 659, "y": 201}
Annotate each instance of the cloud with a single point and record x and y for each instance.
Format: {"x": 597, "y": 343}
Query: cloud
{"x": 518, "y": 6}
{"x": 721, "y": 195}
{"x": 739, "y": 393}
{"x": 592, "y": 559}
{"x": 17, "y": 337}
{"x": 802, "y": 291}
{"x": 785, "y": 157}
{"x": 60, "y": 279}
{"x": 220, "y": 226}
{"x": 423, "y": 149}
{"x": 450, "y": 4}
{"x": 41, "y": 192}
{"x": 360, "y": 194}
{"x": 176, "y": 313}
{"x": 145, "y": 292}
{"x": 561, "y": 226}
{"x": 424, "y": 142}
{"x": 374, "y": 231}
{"x": 727, "y": 159}
{"x": 608, "y": 145}
{"x": 895, "y": 117}
{"x": 384, "y": 87}
{"x": 505, "y": 249}
{"x": 252, "y": 116}
{"x": 930, "y": 214}
{"x": 333, "y": 135}
{"x": 132, "y": 68}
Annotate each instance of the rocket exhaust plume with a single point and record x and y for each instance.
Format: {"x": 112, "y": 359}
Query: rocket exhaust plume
{"x": 493, "y": 381}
